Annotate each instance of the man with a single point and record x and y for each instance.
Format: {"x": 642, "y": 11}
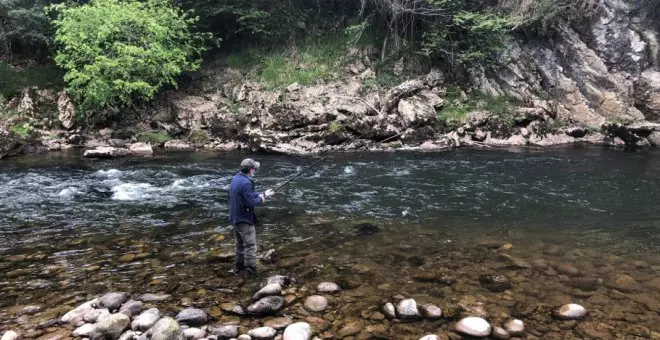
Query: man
{"x": 242, "y": 201}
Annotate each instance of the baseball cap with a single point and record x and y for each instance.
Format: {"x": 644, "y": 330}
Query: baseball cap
{"x": 250, "y": 163}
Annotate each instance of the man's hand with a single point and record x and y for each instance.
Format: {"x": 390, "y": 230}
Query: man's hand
{"x": 263, "y": 198}
{"x": 269, "y": 193}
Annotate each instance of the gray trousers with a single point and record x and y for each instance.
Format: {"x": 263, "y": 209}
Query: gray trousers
{"x": 246, "y": 245}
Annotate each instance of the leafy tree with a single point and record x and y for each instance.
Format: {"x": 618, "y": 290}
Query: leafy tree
{"x": 23, "y": 28}
{"x": 115, "y": 52}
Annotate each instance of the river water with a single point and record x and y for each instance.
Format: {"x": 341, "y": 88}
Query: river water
{"x": 563, "y": 225}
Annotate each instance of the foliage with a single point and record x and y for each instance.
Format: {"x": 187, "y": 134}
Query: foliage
{"x": 231, "y": 105}
{"x": 198, "y": 137}
{"x": 384, "y": 79}
{"x": 24, "y": 130}
{"x": 546, "y": 16}
{"x": 23, "y": 28}
{"x": 14, "y": 80}
{"x": 118, "y": 51}
{"x": 458, "y": 106}
{"x": 335, "y": 126}
{"x": 154, "y": 137}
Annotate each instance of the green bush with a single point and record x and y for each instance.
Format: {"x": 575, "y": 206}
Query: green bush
{"x": 23, "y": 29}
{"x": 456, "y": 108}
{"x": 118, "y": 51}
{"x": 154, "y": 137}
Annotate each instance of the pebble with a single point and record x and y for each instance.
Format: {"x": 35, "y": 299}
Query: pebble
{"x": 298, "y": 331}
{"x": 389, "y": 311}
{"x": 350, "y": 328}
{"x": 279, "y": 323}
{"x": 192, "y": 317}
{"x": 83, "y": 331}
{"x": 193, "y": 333}
{"x": 155, "y": 297}
{"x": 515, "y": 327}
{"x": 431, "y": 311}
{"x": 262, "y": 333}
{"x": 316, "y": 303}
{"x": 232, "y": 308}
{"x": 9, "y": 335}
{"x": 244, "y": 337}
{"x": 113, "y": 301}
{"x": 474, "y": 326}
{"x": 267, "y": 305}
{"x": 146, "y": 320}
{"x": 328, "y": 287}
{"x": 430, "y": 337}
{"x": 624, "y": 283}
{"x": 225, "y": 331}
{"x": 571, "y": 311}
{"x": 271, "y": 289}
{"x": 568, "y": 269}
{"x": 407, "y": 309}
{"x": 500, "y": 333}
{"x": 495, "y": 282}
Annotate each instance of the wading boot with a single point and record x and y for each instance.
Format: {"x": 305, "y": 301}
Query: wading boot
{"x": 250, "y": 272}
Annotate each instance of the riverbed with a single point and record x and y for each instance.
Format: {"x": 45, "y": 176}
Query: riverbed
{"x": 566, "y": 225}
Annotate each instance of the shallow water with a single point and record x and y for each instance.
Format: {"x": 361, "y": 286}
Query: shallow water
{"x": 66, "y": 222}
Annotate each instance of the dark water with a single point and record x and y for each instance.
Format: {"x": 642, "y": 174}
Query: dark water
{"x": 598, "y": 206}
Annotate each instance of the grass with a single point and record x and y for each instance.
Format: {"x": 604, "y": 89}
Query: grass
{"x": 231, "y": 105}
{"x": 456, "y": 108}
{"x": 316, "y": 58}
{"x": 22, "y": 130}
{"x": 154, "y": 137}
{"x": 14, "y": 80}
{"x": 198, "y": 137}
{"x": 384, "y": 79}
{"x": 335, "y": 126}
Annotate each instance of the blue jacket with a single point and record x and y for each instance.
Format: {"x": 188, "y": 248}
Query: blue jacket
{"x": 243, "y": 199}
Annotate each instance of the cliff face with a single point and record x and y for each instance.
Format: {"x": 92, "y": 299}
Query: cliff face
{"x": 605, "y": 68}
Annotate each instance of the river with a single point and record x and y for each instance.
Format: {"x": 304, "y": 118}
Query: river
{"x": 72, "y": 228}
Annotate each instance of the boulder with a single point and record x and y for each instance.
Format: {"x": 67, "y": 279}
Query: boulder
{"x": 83, "y": 331}
{"x": 9, "y": 141}
{"x": 192, "y": 317}
{"x": 146, "y": 320}
{"x": 131, "y": 308}
{"x": 106, "y": 152}
{"x": 141, "y": 149}
{"x": 165, "y": 329}
{"x": 271, "y": 289}
{"x": 389, "y": 311}
{"x": 112, "y": 301}
{"x": 194, "y": 112}
{"x": 298, "y": 331}
{"x": 394, "y": 95}
{"x": 95, "y": 314}
{"x": 79, "y": 311}
{"x": 648, "y": 94}
{"x": 110, "y": 327}
{"x": 177, "y": 144}
{"x": 193, "y": 333}
{"x": 515, "y": 327}
{"x": 430, "y": 311}
{"x": 416, "y": 111}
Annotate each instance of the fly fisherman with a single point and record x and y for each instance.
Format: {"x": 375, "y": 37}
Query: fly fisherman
{"x": 242, "y": 201}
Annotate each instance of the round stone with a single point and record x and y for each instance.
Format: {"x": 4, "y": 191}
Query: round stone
{"x": 298, "y": 331}
{"x": 279, "y": 323}
{"x": 430, "y": 337}
{"x": 262, "y": 333}
{"x": 389, "y": 311}
{"x": 500, "y": 333}
{"x": 571, "y": 311}
{"x": 192, "y": 317}
{"x": 431, "y": 311}
{"x": 316, "y": 303}
{"x": 473, "y": 326}
{"x": 271, "y": 289}
{"x": 193, "y": 333}
{"x": 10, "y": 335}
{"x": 328, "y": 287}
{"x": 515, "y": 327}
{"x": 407, "y": 309}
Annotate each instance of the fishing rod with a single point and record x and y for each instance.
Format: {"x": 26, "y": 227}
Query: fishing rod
{"x": 323, "y": 159}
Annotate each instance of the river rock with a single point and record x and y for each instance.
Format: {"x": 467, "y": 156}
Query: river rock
{"x": 267, "y": 305}
{"x": 11, "y": 335}
{"x": 515, "y": 327}
{"x": 514, "y": 262}
{"x": 430, "y": 337}
{"x": 129, "y": 335}
{"x": 473, "y": 326}
{"x": 192, "y": 317}
{"x": 83, "y": 331}
{"x": 155, "y": 297}
{"x": 131, "y": 308}
{"x": 177, "y": 144}
{"x": 430, "y": 311}
{"x": 571, "y": 311}
{"x": 407, "y": 309}
{"x": 56, "y": 335}
{"x": 298, "y": 331}
{"x": 106, "y": 152}
{"x": 112, "y": 301}
{"x": 624, "y": 283}
{"x": 328, "y": 287}
{"x": 279, "y": 323}
{"x": 94, "y": 315}
{"x": 500, "y": 333}
{"x": 316, "y": 303}
{"x": 389, "y": 311}
{"x": 225, "y": 331}
{"x": 495, "y": 282}
{"x": 351, "y": 327}
{"x": 232, "y": 308}
{"x": 141, "y": 149}
{"x": 79, "y": 311}
{"x": 146, "y": 320}
{"x": 244, "y": 337}
{"x": 165, "y": 329}
{"x": 279, "y": 279}
{"x": 193, "y": 333}
{"x": 262, "y": 333}
{"x": 568, "y": 269}
{"x": 110, "y": 327}
{"x": 271, "y": 289}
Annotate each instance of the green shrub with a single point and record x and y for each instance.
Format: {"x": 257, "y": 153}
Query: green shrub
{"x": 335, "y": 126}
{"x": 198, "y": 137}
{"x": 231, "y": 105}
{"x": 456, "y": 108}
{"x": 154, "y": 137}
{"x": 24, "y": 130}
{"x": 118, "y": 51}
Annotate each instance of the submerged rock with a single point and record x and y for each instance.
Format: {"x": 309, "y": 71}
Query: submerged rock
{"x": 515, "y": 327}
{"x": 316, "y": 303}
{"x": 366, "y": 229}
{"x": 267, "y": 305}
{"x": 56, "y": 335}
{"x": 271, "y": 289}
{"x": 407, "y": 309}
{"x": 232, "y": 308}
{"x": 110, "y": 327}
{"x": 624, "y": 283}
{"x": 106, "y": 152}
{"x": 328, "y": 287}
{"x": 129, "y": 335}
{"x": 495, "y": 282}
{"x": 146, "y": 320}
{"x": 571, "y": 311}
{"x": 262, "y": 333}
{"x": 165, "y": 329}
{"x": 473, "y": 326}
{"x": 155, "y": 297}
{"x": 192, "y": 317}
{"x": 279, "y": 323}
{"x": 298, "y": 331}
